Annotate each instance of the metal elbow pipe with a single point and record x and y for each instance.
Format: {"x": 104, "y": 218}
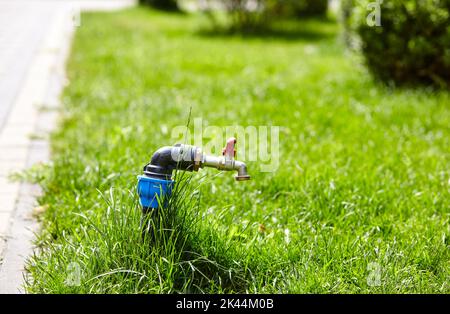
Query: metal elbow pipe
{"x": 168, "y": 158}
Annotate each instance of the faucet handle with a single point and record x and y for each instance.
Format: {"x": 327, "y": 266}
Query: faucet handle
{"x": 229, "y": 152}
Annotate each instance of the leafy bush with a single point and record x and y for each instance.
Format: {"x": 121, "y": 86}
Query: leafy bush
{"x": 412, "y": 45}
{"x": 169, "y": 5}
{"x": 247, "y": 15}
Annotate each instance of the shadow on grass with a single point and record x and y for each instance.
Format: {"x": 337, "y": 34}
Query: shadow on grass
{"x": 308, "y": 29}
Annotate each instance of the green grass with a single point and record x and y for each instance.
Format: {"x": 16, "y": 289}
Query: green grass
{"x": 363, "y": 176}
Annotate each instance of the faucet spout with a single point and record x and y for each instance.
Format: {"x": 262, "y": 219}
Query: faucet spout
{"x": 242, "y": 171}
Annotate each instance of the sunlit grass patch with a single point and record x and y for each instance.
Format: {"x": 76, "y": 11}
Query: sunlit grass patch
{"x": 360, "y": 202}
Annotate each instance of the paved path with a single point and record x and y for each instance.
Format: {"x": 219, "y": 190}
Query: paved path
{"x": 35, "y": 37}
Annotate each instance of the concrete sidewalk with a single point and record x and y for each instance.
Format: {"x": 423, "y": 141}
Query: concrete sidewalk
{"x": 35, "y": 37}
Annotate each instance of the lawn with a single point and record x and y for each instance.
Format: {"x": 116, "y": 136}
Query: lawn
{"x": 359, "y": 203}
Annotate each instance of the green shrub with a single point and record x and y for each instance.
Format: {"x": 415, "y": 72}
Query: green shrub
{"x": 258, "y": 14}
{"x": 244, "y": 16}
{"x": 412, "y": 45}
{"x": 169, "y": 5}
